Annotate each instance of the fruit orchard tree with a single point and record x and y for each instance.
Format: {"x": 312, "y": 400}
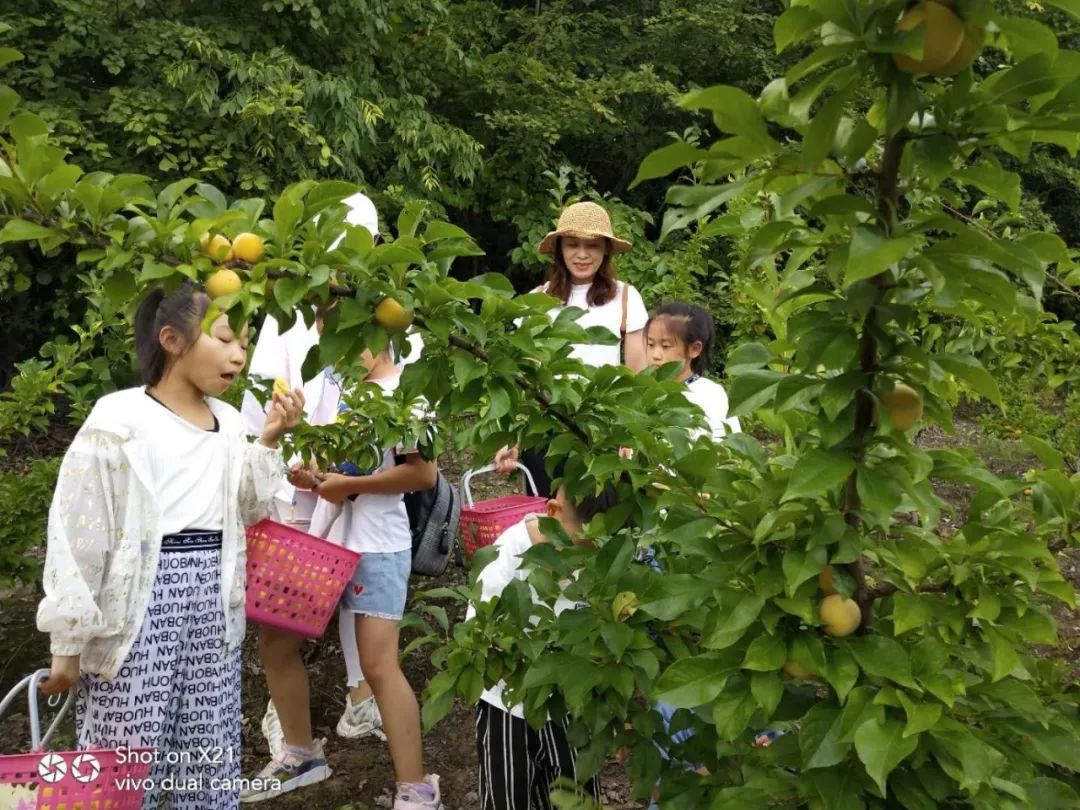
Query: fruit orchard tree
{"x": 807, "y": 584}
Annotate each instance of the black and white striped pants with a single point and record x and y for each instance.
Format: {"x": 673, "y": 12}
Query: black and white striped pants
{"x": 518, "y": 763}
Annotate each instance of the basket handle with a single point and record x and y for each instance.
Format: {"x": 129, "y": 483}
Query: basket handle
{"x": 30, "y": 682}
{"x": 487, "y": 468}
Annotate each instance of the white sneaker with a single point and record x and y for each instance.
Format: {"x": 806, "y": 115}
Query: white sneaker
{"x": 360, "y": 719}
{"x": 408, "y": 799}
{"x": 271, "y": 729}
{"x": 285, "y": 774}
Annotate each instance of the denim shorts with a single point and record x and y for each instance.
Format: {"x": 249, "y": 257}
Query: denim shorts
{"x": 379, "y": 585}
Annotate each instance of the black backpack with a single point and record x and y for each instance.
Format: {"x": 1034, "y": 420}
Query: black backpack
{"x": 433, "y": 520}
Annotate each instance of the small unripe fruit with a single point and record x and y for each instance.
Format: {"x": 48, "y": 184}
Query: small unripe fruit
{"x": 248, "y": 247}
{"x": 840, "y": 615}
{"x": 904, "y": 405}
{"x": 793, "y": 669}
{"x": 217, "y": 247}
{"x": 392, "y": 316}
{"x": 223, "y": 282}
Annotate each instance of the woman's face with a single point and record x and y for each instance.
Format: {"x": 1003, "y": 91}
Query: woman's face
{"x": 583, "y": 257}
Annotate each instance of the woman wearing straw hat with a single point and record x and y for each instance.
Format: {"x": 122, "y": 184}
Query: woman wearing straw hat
{"x": 582, "y": 275}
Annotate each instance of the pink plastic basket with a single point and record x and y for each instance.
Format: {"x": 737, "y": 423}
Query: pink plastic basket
{"x": 94, "y": 779}
{"x": 483, "y": 522}
{"x": 294, "y": 579}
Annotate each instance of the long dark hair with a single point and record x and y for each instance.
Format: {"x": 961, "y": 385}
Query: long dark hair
{"x": 183, "y": 310}
{"x": 693, "y": 324}
{"x": 603, "y": 285}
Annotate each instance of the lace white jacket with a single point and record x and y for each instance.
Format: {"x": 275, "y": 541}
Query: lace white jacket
{"x": 104, "y": 537}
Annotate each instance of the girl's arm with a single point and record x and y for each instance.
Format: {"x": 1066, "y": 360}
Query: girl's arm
{"x": 414, "y": 475}
{"x": 634, "y": 350}
{"x": 83, "y": 531}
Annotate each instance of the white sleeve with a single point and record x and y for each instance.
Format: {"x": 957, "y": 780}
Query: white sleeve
{"x": 636, "y": 314}
{"x": 83, "y": 531}
{"x": 260, "y": 479}
{"x": 271, "y": 356}
{"x": 499, "y": 573}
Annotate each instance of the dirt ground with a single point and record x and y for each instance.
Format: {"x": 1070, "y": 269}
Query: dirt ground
{"x": 363, "y": 776}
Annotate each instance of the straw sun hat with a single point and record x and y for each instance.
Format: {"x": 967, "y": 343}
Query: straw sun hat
{"x": 586, "y": 220}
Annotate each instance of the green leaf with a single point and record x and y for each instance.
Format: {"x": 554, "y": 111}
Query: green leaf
{"x": 879, "y": 491}
{"x": 1027, "y": 37}
{"x": 752, "y": 390}
{"x": 993, "y": 180}
{"x": 733, "y": 110}
{"x": 26, "y": 125}
{"x": 733, "y": 623}
{"x": 692, "y": 682}
{"x": 910, "y": 611}
{"x": 1072, "y": 7}
{"x": 818, "y": 472}
{"x": 663, "y": 161}
{"x": 20, "y": 230}
{"x": 287, "y": 212}
{"x": 795, "y": 25}
{"x": 819, "y": 738}
{"x": 1049, "y": 455}
{"x": 765, "y": 654}
{"x": 881, "y": 746}
{"x": 767, "y": 689}
{"x": 920, "y": 716}
{"x": 800, "y": 565}
{"x": 1005, "y": 656}
{"x": 971, "y": 371}
{"x": 882, "y": 657}
{"x": 288, "y": 292}
{"x": 871, "y": 253}
{"x": 1031, "y": 77}
{"x": 843, "y": 672}
{"x": 9, "y": 55}
{"x": 821, "y": 133}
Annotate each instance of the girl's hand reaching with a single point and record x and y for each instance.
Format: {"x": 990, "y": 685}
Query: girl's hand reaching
{"x": 63, "y": 675}
{"x": 303, "y": 477}
{"x": 286, "y": 411}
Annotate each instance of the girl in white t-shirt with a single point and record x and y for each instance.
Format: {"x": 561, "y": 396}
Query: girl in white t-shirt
{"x": 684, "y": 333}
{"x": 376, "y": 525}
{"x": 582, "y": 275}
{"x": 144, "y": 568}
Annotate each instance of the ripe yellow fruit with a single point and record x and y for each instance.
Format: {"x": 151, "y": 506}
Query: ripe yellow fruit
{"x": 248, "y": 247}
{"x": 825, "y": 581}
{"x": 223, "y": 282}
{"x": 944, "y": 33}
{"x": 970, "y": 46}
{"x": 281, "y": 386}
{"x": 217, "y": 247}
{"x": 392, "y": 316}
{"x": 904, "y": 405}
{"x": 840, "y": 615}
{"x": 793, "y": 669}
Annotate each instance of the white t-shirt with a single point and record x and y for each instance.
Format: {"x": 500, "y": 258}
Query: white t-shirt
{"x": 712, "y": 399}
{"x": 188, "y": 464}
{"x": 282, "y": 355}
{"x": 493, "y": 580}
{"x": 608, "y": 315}
{"x": 378, "y": 524}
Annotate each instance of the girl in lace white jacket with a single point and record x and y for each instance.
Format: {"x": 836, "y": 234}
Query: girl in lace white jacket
{"x": 145, "y": 565}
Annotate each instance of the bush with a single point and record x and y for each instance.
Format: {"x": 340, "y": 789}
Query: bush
{"x": 24, "y": 509}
